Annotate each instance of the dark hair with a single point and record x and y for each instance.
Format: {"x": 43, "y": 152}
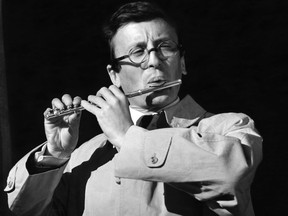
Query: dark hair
{"x": 140, "y": 11}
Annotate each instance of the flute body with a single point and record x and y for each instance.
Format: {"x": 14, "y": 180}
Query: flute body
{"x": 55, "y": 113}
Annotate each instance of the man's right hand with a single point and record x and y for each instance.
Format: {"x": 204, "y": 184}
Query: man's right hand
{"x": 62, "y": 132}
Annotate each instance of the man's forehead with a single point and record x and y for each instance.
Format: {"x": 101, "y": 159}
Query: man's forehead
{"x": 134, "y": 33}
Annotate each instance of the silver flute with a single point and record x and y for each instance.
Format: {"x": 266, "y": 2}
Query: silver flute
{"x": 55, "y": 113}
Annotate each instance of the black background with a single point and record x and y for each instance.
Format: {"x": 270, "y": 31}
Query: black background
{"x": 236, "y": 56}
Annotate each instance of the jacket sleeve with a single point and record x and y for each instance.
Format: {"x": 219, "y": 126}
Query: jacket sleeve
{"x": 30, "y": 193}
{"x": 217, "y": 158}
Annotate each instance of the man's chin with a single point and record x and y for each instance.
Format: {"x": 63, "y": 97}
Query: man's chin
{"x": 157, "y": 100}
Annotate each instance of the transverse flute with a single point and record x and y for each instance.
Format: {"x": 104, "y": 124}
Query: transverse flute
{"x": 55, "y": 113}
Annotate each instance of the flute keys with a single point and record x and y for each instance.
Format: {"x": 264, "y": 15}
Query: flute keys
{"x": 69, "y": 107}
{"x": 54, "y": 113}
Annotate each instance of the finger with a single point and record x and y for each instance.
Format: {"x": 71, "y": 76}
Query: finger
{"x": 116, "y": 91}
{"x": 57, "y": 104}
{"x": 67, "y": 100}
{"x": 47, "y": 112}
{"x": 98, "y": 101}
{"x": 89, "y": 107}
{"x": 76, "y": 101}
{"x": 50, "y": 112}
{"x": 105, "y": 93}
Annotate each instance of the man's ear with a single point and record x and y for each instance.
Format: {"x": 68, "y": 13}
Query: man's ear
{"x": 114, "y": 76}
{"x": 183, "y": 67}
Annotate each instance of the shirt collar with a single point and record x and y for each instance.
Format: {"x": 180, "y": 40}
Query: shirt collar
{"x": 182, "y": 113}
{"x": 136, "y": 113}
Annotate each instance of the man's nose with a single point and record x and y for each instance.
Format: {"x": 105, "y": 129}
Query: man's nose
{"x": 153, "y": 58}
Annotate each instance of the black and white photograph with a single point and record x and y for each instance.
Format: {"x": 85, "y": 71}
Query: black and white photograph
{"x": 143, "y": 108}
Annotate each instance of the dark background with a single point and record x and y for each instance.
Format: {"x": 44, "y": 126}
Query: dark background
{"x": 236, "y": 56}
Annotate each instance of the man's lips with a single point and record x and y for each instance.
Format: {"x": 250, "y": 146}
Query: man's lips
{"x": 156, "y": 83}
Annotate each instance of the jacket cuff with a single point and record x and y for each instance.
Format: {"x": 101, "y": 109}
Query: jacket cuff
{"x": 45, "y": 161}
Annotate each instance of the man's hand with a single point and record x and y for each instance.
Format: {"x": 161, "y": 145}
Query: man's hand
{"x": 62, "y": 133}
{"x": 111, "y": 108}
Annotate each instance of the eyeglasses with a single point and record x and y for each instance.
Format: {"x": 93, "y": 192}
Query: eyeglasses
{"x": 139, "y": 55}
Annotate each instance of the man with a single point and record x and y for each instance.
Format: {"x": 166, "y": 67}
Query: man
{"x": 189, "y": 162}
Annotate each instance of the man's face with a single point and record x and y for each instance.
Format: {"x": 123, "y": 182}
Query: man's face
{"x": 152, "y": 73}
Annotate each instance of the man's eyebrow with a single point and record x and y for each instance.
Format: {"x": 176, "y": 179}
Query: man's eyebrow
{"x": 159, "y": 40}
{"x": 144, "y": 43}
{"x": 138, "y": 44}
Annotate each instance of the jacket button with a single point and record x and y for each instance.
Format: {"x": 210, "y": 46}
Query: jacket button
{"x": 10, "y": 184}
{"x": 154, "y": 159}
{"x": 117, "y": 180}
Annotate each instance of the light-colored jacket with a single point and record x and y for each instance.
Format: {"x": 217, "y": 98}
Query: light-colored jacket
{"x": 203, "y": 165}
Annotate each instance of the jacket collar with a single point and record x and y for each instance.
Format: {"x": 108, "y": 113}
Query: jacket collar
{"x": 184, "y": 114}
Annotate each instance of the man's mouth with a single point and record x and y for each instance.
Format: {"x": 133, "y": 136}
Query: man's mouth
{"x": 157, "y": 83}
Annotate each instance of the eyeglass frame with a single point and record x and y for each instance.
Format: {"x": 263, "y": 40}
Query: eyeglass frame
{"x": 178, "y": 47}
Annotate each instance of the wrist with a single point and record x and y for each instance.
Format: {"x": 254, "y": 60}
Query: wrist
{"x": 56, "y": 154}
